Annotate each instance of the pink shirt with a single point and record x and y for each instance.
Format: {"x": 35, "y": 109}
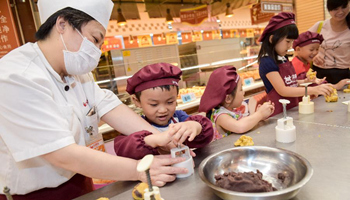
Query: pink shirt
{"x": 336, "y": 46}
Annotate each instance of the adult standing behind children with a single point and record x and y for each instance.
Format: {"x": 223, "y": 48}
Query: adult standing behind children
{"x": 155, "y": 89}
{"x": 221, "y": 96}
{"x": 333, "y": 59}
{"x": 50, "y": 107}
{"x": 275, "y": 70}
{"x": 305, "y": 49}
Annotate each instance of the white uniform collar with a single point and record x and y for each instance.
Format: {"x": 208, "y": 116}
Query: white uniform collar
{"x": 281, "y": 58}
{"x": 46, "y": 63}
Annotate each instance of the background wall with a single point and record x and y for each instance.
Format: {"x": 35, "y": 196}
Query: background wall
{"x": 308, "y": 13}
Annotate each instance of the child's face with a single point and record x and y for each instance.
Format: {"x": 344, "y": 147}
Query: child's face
{"x": 158, "y": 104}
{"x": 239, "y": 95}
{"x": 308, "y": 52}
{"x": 283, "y": 46}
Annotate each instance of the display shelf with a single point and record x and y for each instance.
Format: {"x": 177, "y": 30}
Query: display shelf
{"x": 197, "y": 101}
{"x": 256, "y": 85}
{"x": 106, "y": 128}
{"x": 188, "y": 105}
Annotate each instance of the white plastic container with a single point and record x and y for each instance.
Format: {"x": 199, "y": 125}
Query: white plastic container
{"x": 188, "y": 163}
{"x": 285, "y": 129}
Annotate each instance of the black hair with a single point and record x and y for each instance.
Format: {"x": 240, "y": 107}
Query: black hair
{"x": 163, "y": 87}
{"x": 290, "y": 32}
{"x": 233, "y": 93}
{"x": 74, "y": 17}
{"x": 334, "y": 4}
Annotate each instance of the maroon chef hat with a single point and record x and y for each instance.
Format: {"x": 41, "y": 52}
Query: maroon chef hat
{"x": 278, "y": 21}
{"x": 153, "y": 75}
{"x": 221, "y": 82}
{"x": 307, "y": 38}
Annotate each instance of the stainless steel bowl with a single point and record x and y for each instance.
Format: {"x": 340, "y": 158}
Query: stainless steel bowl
{"x": 270, "y": 161}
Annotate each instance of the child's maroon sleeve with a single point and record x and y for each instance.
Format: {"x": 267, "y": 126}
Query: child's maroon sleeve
{"x": 206, "y": 136}
{"x": 133, "y": 146}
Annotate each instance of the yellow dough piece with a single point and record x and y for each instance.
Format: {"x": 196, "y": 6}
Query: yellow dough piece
{"x": 347, "y": 90}
{"x": 139, "y": 190}
{"x": 244, "y": 141}
{"x": 311, "y": 74}
{"x": 333, "y": 97}
{"x": 103, "y": 198}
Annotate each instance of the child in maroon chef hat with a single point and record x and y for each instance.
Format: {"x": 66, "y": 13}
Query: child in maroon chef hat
{"x": 305, "y": 49}
{"x": 154, "y": 88}
{"x": 221, "y": 96}
{"x": 276, "y": 72}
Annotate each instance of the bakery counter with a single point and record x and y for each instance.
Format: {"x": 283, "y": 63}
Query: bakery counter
{"x": 322, "y": 138}
{"x": 196, "y": 102}
{"x": 190, "y": 105}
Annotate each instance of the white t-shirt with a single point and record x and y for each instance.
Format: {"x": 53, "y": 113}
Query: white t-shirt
{"x": 38, "y": 116}
{"x": 335, "y": 48}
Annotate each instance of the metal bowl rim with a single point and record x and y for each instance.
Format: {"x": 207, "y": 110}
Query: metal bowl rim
{"x": 295, "y": 187}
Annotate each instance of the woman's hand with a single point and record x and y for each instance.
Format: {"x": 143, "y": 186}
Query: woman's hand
{"x": 318, "y": 60}
{"x": 341, "y": 84}
{"x": 161, "y": 170}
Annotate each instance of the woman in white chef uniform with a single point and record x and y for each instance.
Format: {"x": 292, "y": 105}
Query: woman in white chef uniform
{"x": 50, "y": 107}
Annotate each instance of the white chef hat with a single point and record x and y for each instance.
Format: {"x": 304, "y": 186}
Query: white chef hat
{"x": 100, "y": 10}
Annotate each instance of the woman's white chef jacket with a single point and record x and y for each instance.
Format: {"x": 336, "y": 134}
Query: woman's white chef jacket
{"x": 38, "y": 116}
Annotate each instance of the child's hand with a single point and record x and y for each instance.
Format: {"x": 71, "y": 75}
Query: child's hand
{"x": 319, "y": 81}
{"x": 341, "y": 84}
{"x": 310, "y": 78}
{"x": 314, "y": 79}
{"x": 188, "y": 129}
{"x": 266, "y": 109}
{"x": 162, "y": 139}
{"x": 323, "y": 89}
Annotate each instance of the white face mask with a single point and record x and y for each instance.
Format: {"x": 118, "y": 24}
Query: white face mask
{"x": 84, "y": 60}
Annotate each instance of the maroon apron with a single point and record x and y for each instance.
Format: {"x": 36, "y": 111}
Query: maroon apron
{"x": 302, "y": 76}
{"x": 77, "y": 186}
{"x": 287, "y": 73}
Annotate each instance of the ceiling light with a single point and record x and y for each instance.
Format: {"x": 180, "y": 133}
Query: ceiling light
{"x": 229, "y": 12}
{"x": 120, "y": 18}
{"x": 131, "y": 39}
{"x": 168, "y": 19}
